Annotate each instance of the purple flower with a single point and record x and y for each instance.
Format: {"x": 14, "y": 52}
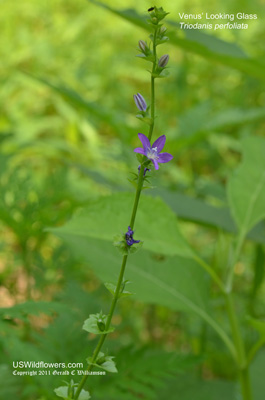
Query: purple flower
{"x": 140, "y": 102}
{"x": 145, "y": 170}
{"x": 152, "y": 153}
{"x": 129, "y": 237}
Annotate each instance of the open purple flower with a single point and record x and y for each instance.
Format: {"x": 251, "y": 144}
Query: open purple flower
{"x": 129, "y": 237}
{"x": 153, "y": 153}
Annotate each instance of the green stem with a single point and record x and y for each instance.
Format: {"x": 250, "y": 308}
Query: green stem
{"x": 245, "y": 384}
{"x": 133, "y": 216}
{"x": 239, "y": 244}
{"x": 153, "y": 90}
{"x": 242, "y": 362}
{"x": 240, "y": 349}
{"x": 103, "y": 337}
{"x": 254, "y": 349}
{"x": 210, "y": 271}
{"x": 137, "y": 196}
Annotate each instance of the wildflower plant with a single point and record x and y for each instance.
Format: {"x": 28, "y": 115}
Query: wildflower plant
{"x": 246, "y": 198}
{"x": 100, "y": 324}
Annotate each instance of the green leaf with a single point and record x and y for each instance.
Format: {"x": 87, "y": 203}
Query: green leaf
{"x": 91, "y": 324}
{"x": 141, "y": 376}
{"x": 112, "y": 288}
{"x": 197, "y": 210}
{"x": 23, "y": 310}
{"x": 104, "y": 362}
{"x": 175, "y": 282}
{"x": 257, "y": 369}
{"x": 156, "y": 224}
{"x": 75, "y": 99}
{"x": 109, "y": 365}
{"x": 147, "y": 120}
{"x": 190, "y": 387}
{"x": 201, "y": 120}
{"x": 246, "y": 186}
{"x": 200, "y": 43}
{"x": 62, "y": 391}
{"x": 258, "y": 325}
{"x": 10, "y": 386}
{"x": 259, "y": 271}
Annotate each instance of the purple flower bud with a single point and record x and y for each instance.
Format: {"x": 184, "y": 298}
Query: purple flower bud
{"x": 162, "y": 62}
{"x": 129, "y": 237}
{"x": 143, "y": 46}
{"x": 140, "y": 102}
{"x": 145, "y": 170}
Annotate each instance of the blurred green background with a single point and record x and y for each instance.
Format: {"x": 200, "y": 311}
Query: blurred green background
{"x": 67, "y": 129}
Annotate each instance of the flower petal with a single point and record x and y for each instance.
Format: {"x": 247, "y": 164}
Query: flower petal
{"x": 145, "y": 141}
{"x": 164, "y": 157}
{"x": 139, "y": 150}
{"x": 155, "y": 164}
{"x": 159, "y": 143}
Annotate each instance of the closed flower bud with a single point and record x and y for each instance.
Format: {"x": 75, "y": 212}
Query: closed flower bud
{"x": 162, "y": 30}
{"x": 162, "y": 62}
{"x": 143, "y": 46}
{"x": 140, "y": 102}
{"x": 101, "y": 325}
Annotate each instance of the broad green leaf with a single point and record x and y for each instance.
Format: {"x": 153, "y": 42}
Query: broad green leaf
{"x": 62, "y": 391}
{"x": 258, "y": 325}
{"x": 23, "y": 310}
{"x": 104, "y": 362}
{"x": 112, "y": 289}
{"x": 175, "y": 282}
{"x": 257, "y": 369}
{"x": 156, "y": 225}
{"x": 200, "y": 121}
{"x": 109, "y": 365}
{"x": 91, "y": 324}
{"x": 234, "y": 117}
{"x": 259, "y": 270}
{"x": 190, "y": 387}
{"x": 246, "y": 186}
{"x": 200, "y": 212}
{"x": 10, "y": 386}
{"x": 74, "y": 98}
{"x": 200, "y": 43}
{"x": 141, "y": 376}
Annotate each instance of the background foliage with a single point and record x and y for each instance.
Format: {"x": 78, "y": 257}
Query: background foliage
{"x": 67, "y": 130}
